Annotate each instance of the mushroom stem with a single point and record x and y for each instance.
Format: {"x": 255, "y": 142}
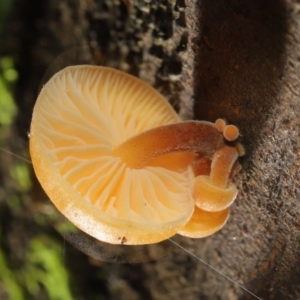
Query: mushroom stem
{"x": 194, "y": 136}
{"x": 221, "y": 166}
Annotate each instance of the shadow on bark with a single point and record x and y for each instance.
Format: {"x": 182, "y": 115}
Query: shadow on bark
{"x": 240, "y": 66}
{"x": 240, "y": 63}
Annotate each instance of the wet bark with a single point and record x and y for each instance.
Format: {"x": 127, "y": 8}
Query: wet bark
{"x": 238, "y": 60}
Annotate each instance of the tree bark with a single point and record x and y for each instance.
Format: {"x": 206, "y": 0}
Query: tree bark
{"x": 236, "y": 59}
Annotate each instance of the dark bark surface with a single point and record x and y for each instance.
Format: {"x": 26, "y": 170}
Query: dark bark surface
{"x": 239, "y": 60}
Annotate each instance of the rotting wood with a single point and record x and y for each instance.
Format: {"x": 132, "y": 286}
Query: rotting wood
{"x": 234, "y": 59}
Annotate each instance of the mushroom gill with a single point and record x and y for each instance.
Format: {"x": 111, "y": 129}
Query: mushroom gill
{"x": 116, "y": 160}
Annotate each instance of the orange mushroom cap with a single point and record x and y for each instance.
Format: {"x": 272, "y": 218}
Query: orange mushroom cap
{"x": 231, "y": 133}
{"x": 204, "y": 223}
{"x": 220, "y": 124}
{"x": 114, "y": 158}
{"x": 215, "y": 192}
{"x": 80, "y": 116}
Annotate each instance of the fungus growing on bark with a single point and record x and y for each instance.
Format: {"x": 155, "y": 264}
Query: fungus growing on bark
{"x": 116, "y": 160}
{"x": 204, "y": 223}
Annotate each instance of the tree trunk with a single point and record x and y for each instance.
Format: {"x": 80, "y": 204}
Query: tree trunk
{"x": 236, "y": 59}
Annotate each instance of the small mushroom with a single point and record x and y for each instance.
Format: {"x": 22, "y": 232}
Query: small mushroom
{"x": 214, "y": 192}
{"x": 116, "y": 160}
{"x": 204, "y": 223}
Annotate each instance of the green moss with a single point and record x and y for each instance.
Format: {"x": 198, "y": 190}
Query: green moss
{"x": 7, "y": 105}
{"x": 8, "y": 69}
{"x": 45, "y": 267}
{"x": 20, "y": 173}
{"x": 8, "y": 75}
{"x": 13, "y": 201}
{"x": 8, "y": 280}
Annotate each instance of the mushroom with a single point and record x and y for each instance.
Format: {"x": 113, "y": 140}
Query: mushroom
{"x": 116, "y": 160}
{"x": 204, "y": 223}
{"x": 214, "y": 192}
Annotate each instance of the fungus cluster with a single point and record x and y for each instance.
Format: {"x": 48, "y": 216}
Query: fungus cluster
{"x": 117, "y": 161}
